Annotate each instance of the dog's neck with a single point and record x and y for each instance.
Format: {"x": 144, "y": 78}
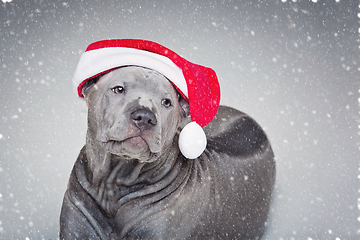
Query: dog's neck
{"x": 112, "y": 178}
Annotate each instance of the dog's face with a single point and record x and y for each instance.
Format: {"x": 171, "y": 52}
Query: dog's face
{"x": 134, "y": 113}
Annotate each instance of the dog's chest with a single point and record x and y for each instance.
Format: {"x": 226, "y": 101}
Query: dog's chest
{"x": 113, "y": 196}
{"x": 169, "y": 207}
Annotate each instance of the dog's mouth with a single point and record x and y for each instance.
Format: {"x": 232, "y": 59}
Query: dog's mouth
{"x": 131, "y": 147}
{"x": 135, "y": 141}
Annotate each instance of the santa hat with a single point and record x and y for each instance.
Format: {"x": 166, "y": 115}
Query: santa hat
{"x": 197, "y": 84}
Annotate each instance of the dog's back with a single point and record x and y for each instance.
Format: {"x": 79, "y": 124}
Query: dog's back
{"x": 244, "y": 178}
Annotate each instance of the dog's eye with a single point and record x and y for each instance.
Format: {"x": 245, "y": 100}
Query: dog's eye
{"x": 118, "y": 89}
{"x": 166, "y": 102}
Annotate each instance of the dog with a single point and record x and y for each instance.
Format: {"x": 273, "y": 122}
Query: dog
{"x": 130, "y": 180}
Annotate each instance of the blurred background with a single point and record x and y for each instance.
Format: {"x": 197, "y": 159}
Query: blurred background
{"x": 292, "y": 65}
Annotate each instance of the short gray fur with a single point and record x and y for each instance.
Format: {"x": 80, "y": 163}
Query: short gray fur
{"x": 130, "y": 180}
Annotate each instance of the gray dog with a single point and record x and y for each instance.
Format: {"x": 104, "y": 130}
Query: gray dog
{"x": 130, "y": 180}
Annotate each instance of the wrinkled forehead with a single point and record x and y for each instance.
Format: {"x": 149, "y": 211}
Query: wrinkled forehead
{"x": 137, "y": 76}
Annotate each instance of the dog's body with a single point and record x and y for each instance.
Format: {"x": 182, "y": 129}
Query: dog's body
{"x": 130, "y": 180}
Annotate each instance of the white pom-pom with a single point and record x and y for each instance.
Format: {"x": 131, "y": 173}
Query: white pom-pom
{"x": 192, "y": 140}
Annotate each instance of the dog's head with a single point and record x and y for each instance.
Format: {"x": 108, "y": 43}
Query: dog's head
{"x": 134, "y": 112}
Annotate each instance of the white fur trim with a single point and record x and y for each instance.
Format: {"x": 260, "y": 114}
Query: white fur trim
{"x": 96, "y": 61}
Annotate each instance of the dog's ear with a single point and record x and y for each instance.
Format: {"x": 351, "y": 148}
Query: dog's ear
{"x": 185, "y": 110}
{"x": 184, "y": 113}
{"x": 89, "y": 84}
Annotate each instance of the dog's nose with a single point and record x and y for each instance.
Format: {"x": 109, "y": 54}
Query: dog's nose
{"x": 143, "y": 119}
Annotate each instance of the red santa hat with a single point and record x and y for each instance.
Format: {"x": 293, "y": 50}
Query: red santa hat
{"x": 197, "y": 84}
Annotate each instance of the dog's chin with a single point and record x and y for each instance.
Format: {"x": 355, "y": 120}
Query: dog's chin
{"x": 131, "y": 148}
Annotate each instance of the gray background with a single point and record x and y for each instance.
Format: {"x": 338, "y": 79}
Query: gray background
{"x": 292, "y": 65}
